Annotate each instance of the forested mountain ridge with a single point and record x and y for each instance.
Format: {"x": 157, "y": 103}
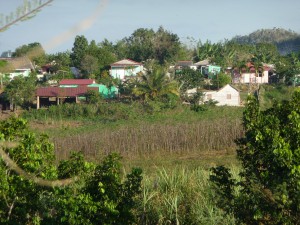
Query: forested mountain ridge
{"x": 287, "y": 41}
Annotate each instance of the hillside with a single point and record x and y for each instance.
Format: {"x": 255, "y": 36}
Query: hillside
{"x": 286, "y": 40}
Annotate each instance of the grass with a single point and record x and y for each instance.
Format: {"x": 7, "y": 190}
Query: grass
{"x": 270, "y": 93}
{"x": 175, "y": 148}
{"x": 172, "y": 133}
{"x": 180, "y": 196}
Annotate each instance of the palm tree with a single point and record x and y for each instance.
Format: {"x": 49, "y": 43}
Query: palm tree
{"x": 154, "y": 85}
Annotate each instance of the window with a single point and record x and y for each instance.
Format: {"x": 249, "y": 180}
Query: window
{"x": 228, "y": 96}
{"x": 209, "y": 96}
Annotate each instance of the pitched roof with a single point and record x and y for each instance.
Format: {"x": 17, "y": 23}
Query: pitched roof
{"x": 204, "y": 62}
{"x": 20, "y": 63}
{"x": 126, "y": 62}
{"x": 63, "y": 92}
{"x": 184, "y": 63}
{"x": 76, "y": 81}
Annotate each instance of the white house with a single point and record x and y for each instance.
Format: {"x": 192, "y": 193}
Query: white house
{"x": 22, "y": 67}
{"x": 185, "y": 64}
{"x": 125, "y": 68}
{"x": 252, "y": 78}
{"x": 19, "y": 72}
{"x": 227, "y": 95}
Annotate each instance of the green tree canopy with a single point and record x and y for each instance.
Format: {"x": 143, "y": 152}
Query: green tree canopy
{"x": 154, "y": 85}
{"x": 188, "y": 79}
{"x": 79, "y": 50}
{"x": 268, "y": 189}
{"x": 88, "y": 193}
{"x": 34, "y": 51}
{"x": 90, "y": 66}
{"x": 220, "y": 80}
{"x": 21, "y": 90}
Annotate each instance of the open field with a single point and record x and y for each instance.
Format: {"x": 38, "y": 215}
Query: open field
{"x": 178, "y": 136}
{"x": 174, "y": 148}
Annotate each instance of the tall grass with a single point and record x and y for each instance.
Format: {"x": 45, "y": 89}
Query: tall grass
{"x": 270, "y": 93}
{"x": 152, "y": 138}
{"x": 180, "y": 196}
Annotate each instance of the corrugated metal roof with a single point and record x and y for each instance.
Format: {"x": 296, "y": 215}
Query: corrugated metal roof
{"x": 76, "y": 81}
{"x": 63, "y": 92}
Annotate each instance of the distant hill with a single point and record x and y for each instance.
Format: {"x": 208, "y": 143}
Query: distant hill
{"x": 287, "y": 41}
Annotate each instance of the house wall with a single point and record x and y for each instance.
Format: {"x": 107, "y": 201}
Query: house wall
{"x": 68, "y": 85}
{"x": 247, "y": 78}
{"x": 214, "y": 69}
{"x": 122, "y": 72}
{"x": 225, "y": 96}
{"x": 105, "y": 91}
{"x": 20, "y": 72}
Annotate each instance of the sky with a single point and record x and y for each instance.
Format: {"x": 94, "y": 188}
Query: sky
{"x": 57, "y": 25}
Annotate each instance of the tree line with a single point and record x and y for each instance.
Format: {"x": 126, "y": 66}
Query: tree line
{"x": 157, "y": 50}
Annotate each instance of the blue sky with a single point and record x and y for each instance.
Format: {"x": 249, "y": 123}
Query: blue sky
{"x": 57, "y": 25}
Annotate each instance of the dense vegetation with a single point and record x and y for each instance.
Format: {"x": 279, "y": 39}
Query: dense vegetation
{"x": 287, "y": 41}
{"x": 175, "y": 187}
{"x": 267, "y": 190}
{"x": 150, "y": 128}
{"x": 31, "y": 193}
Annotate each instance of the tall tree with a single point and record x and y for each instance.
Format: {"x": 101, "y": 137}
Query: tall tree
{"x": 79, "y": 50}
{"x": 106, "y": 54}
{"x": 34, "y": 51}
{"x": 141, "y": 44}
{"x": 166, "y": 46}
{"x": 89, "y": 66}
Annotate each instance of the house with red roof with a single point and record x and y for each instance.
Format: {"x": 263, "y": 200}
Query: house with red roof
{"x": 125, "y": 69}
{"x": 76, "y": 82}
{"x": 250, "y": 75}
{"x": 106, "y": 92}
{"x": 61, "y": 94}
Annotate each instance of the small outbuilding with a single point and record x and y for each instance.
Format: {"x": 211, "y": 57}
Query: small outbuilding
{"x": 227, "y": 95}
{"x": 61, "y": 94}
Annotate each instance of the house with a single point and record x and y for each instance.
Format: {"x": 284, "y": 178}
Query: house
{"x": 250, "y": 75}
{"x": 106, "y": 92}
{"x": 61, "y": 94}
{"x": 6, "y": 54}
{"x": 76, "y": 82}
{"x": 184, "y": 64}
{"x": 125, "y": 68}
{"x": 22, "y": 66}
{"x": 207, "y": 69}
{"x": 227, "y": 95}
{"x": 19, "y": 72}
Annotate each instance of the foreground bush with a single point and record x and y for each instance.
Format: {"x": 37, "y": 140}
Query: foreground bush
{"x": 269, "y": 189}
{"x": 35, "y": 191}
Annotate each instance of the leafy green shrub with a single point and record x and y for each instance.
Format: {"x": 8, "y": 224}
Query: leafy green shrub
{"x": 102, "y": 197}
{"x": 93, "y": 97}
{"x": 198, "y": 108}
{"x": 268, "y": 191}
{"x": 31, "y": 194}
